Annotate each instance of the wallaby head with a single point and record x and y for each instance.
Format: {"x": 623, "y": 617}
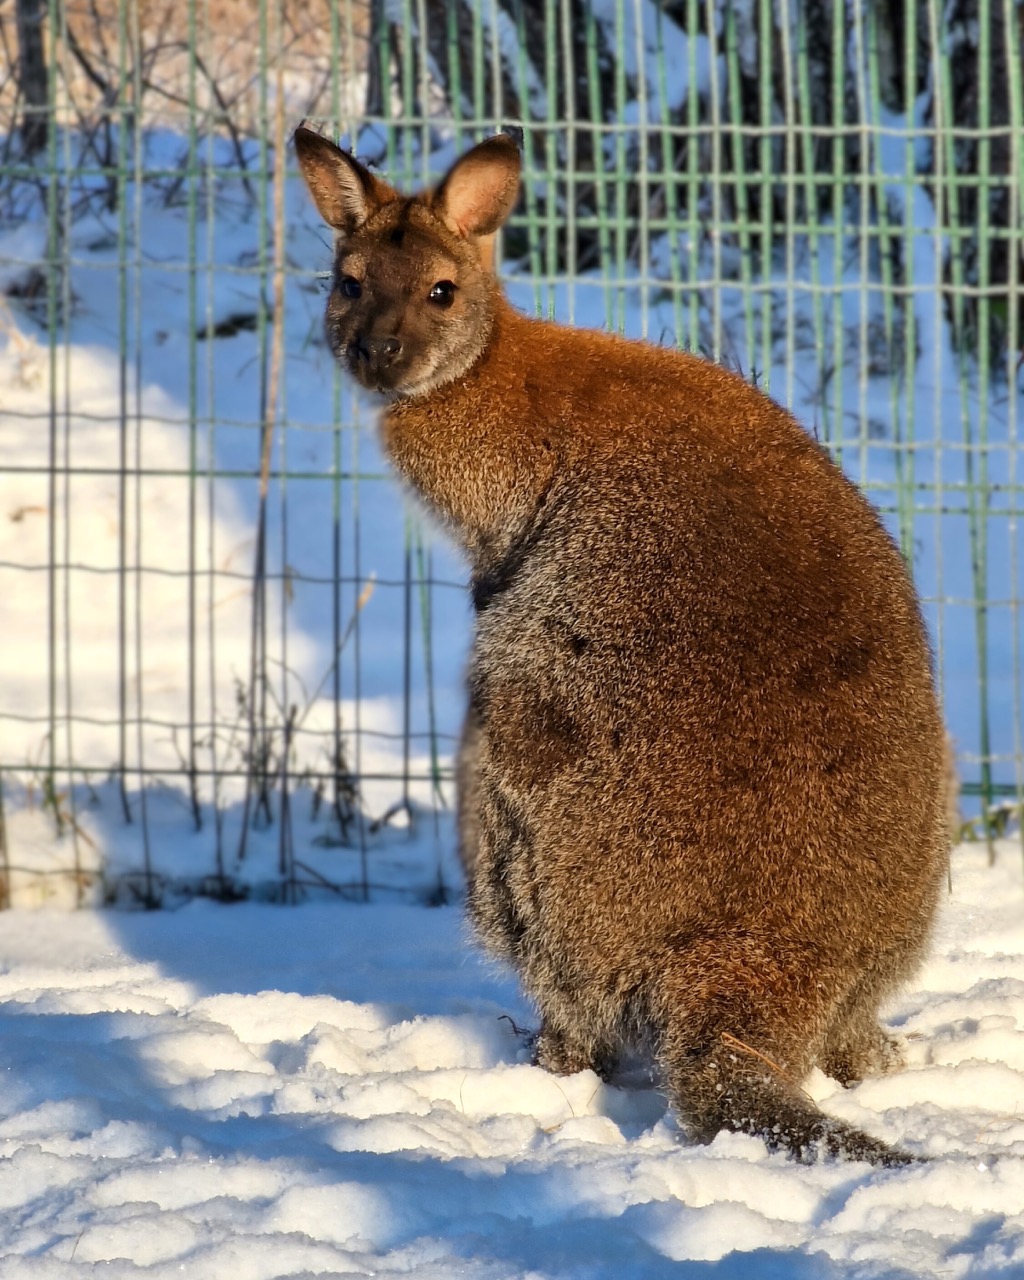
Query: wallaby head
{"x": 412, "y": 295}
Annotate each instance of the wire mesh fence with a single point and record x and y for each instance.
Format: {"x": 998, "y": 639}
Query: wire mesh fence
{"x": 231, "y": 654}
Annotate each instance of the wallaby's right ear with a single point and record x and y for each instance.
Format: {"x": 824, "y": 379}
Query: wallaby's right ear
{"x": 479, "y": 190}
{"x": 345, "y": 192}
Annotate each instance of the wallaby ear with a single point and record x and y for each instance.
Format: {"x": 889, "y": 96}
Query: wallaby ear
{"x": 479, "y": 190}
{"x": 343, "y": 190}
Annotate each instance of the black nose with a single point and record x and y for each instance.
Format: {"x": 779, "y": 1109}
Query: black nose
{"x": 377, "y": 352}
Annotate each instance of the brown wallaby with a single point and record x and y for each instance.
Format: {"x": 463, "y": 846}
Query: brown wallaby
{"x": 702, "y": 778}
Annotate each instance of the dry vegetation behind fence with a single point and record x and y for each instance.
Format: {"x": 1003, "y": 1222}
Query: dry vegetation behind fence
{"x": 206, "y": 62}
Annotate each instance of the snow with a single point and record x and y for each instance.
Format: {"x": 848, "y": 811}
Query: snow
{"x": 346, "y": 1090}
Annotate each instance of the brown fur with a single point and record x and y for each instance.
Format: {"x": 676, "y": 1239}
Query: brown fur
{"x": 703, "y": 797}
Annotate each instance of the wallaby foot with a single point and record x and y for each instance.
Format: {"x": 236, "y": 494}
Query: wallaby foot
{"x": 855, "y": 1047}
{"x": 857, "y": 1051}
{"x": 564, "y": 1054}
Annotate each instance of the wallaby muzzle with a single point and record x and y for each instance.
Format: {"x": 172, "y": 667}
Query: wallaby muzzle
{"x": 373, "y": 356}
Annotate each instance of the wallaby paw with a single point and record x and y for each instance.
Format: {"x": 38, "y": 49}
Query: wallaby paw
{"x": 876, "y": 1054}
{"x": 564, "y": 1056}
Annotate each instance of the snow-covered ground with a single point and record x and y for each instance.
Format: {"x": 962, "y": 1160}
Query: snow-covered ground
{"x": 261, "y": 1092}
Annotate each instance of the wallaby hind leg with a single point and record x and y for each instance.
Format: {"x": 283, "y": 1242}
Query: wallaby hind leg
{"x": 738, "y": 1035}
{"x": 467, "y": 792}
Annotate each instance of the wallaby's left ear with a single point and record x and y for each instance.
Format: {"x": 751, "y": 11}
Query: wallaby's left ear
{"x": 479, "y": 190}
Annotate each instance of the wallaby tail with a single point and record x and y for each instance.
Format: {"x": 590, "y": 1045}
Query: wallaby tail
{"x": 735, "y": 1087}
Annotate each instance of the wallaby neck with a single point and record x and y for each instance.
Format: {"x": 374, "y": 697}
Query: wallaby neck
{"x": 481, "y": 451}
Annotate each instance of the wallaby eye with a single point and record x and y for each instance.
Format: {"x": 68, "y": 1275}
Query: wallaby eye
{"x": 443, "y": 293}
{"x": 350, "y": 286}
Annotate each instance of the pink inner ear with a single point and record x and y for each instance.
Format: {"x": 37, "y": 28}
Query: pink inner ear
{"x": 475, "y": 205}
{"x": 463, "y": 205}
{"x": 465, "y": 223}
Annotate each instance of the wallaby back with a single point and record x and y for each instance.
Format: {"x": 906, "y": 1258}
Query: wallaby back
{"x": 702, "y": 781}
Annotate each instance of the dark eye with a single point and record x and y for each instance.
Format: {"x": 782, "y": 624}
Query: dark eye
{"x": 443, "y": 293}
{"x": 350, "y": 286}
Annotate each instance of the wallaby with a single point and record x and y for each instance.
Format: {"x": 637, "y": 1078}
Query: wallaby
{"x": 702, "y": 777}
